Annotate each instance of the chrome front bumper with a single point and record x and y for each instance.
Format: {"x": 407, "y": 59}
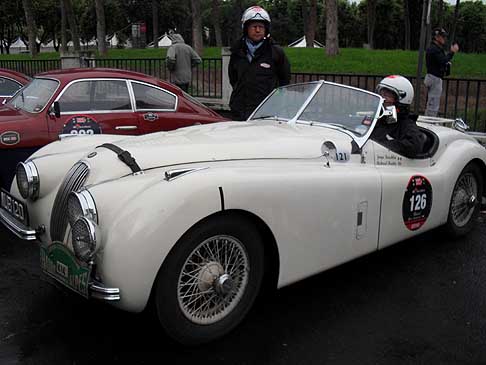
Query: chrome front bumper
{"x": 98, "y": 291}
{"x": 20, "y": 230}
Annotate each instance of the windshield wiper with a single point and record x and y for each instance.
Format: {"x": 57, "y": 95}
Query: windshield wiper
{"x": 274, "y": 117}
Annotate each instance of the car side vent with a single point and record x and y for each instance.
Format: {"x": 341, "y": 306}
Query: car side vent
{"x": 75, "y": 179}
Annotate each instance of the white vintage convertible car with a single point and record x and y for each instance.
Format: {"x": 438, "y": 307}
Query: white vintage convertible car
{"x": 200, "y": 219}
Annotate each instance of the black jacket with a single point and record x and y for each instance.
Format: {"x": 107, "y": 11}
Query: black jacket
{"x": 403, "y": 137}
{"x": 437, "y": 59}
{"x": 252, "y": 82}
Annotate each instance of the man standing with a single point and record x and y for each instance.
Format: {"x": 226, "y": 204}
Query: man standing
{"x": 257, "y": 65}
{"x": 181, "y": 58}
{"x": 438, "y": 66}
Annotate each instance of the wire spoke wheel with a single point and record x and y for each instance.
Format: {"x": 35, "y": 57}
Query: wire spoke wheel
{"x": 213, "y": 279}
{"x": 464, "y": 199}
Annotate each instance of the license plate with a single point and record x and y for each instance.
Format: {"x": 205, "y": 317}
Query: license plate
{"x": 14, "y": 207}
{"x": 58, "y": 262}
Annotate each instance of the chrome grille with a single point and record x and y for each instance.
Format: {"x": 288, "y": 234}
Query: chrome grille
{"x": 74, "y": 180}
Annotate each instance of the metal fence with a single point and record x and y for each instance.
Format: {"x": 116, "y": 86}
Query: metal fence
{"x": 206, "y": 77}
{"x": 461, "y": 98}
{"x": 31, "y": 67}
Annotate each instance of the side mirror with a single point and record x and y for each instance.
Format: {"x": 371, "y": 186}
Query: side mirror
{"x": 56, "y": 109}
{"x": 460, "y": 125}
{"x": 390, "y": 114}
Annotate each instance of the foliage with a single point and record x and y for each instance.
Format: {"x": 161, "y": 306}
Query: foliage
{"x": 287, "y": 20}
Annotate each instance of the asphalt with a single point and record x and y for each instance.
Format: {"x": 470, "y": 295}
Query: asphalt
{"x": 422, "y": 301}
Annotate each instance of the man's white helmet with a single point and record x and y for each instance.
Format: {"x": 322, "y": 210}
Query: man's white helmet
{"x": 400, "y": 86}
{"x": 255, "y": 13}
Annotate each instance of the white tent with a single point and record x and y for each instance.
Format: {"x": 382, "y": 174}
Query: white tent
{"x": 47, "y": 47}
{"x": 18, "y": 46}
{"x": 163, "y": 41}
{"x": 112, "y": 40}
{"x": 302, "y": 43}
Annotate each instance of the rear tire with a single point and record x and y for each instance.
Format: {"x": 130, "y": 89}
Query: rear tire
{"x": 465, "y": 201}
{"x": 209, "y": 280}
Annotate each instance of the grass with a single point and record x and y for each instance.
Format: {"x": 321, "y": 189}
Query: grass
{"x": 350, "y": 60}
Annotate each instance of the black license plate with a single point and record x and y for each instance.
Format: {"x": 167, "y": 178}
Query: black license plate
{"x": 14, "y": 207}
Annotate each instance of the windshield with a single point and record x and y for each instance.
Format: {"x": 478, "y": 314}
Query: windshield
{"x": 285, "y": 102}
{"x": 34, "y": 97}
{"x": 334, "y": 105}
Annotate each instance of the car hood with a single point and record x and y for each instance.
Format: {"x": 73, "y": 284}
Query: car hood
{"x": 9, "y": 114}
{"x": 230, "y": 141}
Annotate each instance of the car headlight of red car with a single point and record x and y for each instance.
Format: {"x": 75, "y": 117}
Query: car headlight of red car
{"x": 28, "y": 181}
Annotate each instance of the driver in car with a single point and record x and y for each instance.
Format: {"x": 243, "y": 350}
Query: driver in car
{"x": 400, "y": 135}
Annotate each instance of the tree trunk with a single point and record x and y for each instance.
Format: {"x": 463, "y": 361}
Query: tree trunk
{"x": 64, "y": 47}
{"x": 68, "y": 6}
{"x": 332, "y": 40}
{"x": 155, "y": 22}
{"x": 31, "y": 26}
{"x": 309, "y": 12}
{"x": 440, "y": 13}
{"x": 101, "y": 27}
{"x": 454, "y": 22}
{"x": 371, "y": 9}
{"x": 197, "y": 40}
{"x": 406, "y": 11}
{"x": 216, "y": 16}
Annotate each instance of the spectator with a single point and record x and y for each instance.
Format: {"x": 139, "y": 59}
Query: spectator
{"x": 438, "y": 65}
{"x": 400, "y": 135}
{"x": 257, "y": 65}
{"x": 180, "y": 60}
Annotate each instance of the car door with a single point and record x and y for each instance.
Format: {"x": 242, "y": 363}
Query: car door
{"x": 157, "y": 108}
{"x": 409, "y": 187}
{"x": 94, "y": 106}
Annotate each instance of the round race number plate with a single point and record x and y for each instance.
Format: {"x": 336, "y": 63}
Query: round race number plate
{"x": 417, "y": 202}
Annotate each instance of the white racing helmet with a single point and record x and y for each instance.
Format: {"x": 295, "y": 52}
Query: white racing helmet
{"x": 398, "y": 85}
{"x": 255, "y": 13}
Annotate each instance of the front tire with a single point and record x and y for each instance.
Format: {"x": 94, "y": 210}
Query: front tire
{"x": 209, "y": 280}
{"x": 465, "y": 201}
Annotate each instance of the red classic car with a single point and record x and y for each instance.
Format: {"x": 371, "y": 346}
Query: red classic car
{"x": 10, "y": 83}
{"x": 91, "y": 101}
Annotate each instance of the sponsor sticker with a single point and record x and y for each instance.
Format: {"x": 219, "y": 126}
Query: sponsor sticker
{"x": 265, "y": 65}
{"x": 81, "y": 125}
{"x": 10, "y": 138}
{"x": 417, "y": 202}
{"x": 59, "y": 262}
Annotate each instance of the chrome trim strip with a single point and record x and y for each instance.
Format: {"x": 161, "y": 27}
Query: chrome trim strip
{"x": 126, "y": 127}
{"x": 98, "y": 291}
{"x": 174, "y": 174}
{"x": 20, "y": 230}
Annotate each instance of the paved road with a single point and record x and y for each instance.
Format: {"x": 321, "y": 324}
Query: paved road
{"x": 422, "y": 301}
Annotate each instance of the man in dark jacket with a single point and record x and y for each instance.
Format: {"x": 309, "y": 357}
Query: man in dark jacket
{"x": 401, "y": 135}
{"x": 257, "y": 65}
{"x": 438, "y": 65}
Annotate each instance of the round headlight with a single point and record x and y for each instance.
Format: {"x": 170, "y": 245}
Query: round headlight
{"x": 28, "y": 180}
{"x": 85, "y": 238}
{"x": 79, "y": 205}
